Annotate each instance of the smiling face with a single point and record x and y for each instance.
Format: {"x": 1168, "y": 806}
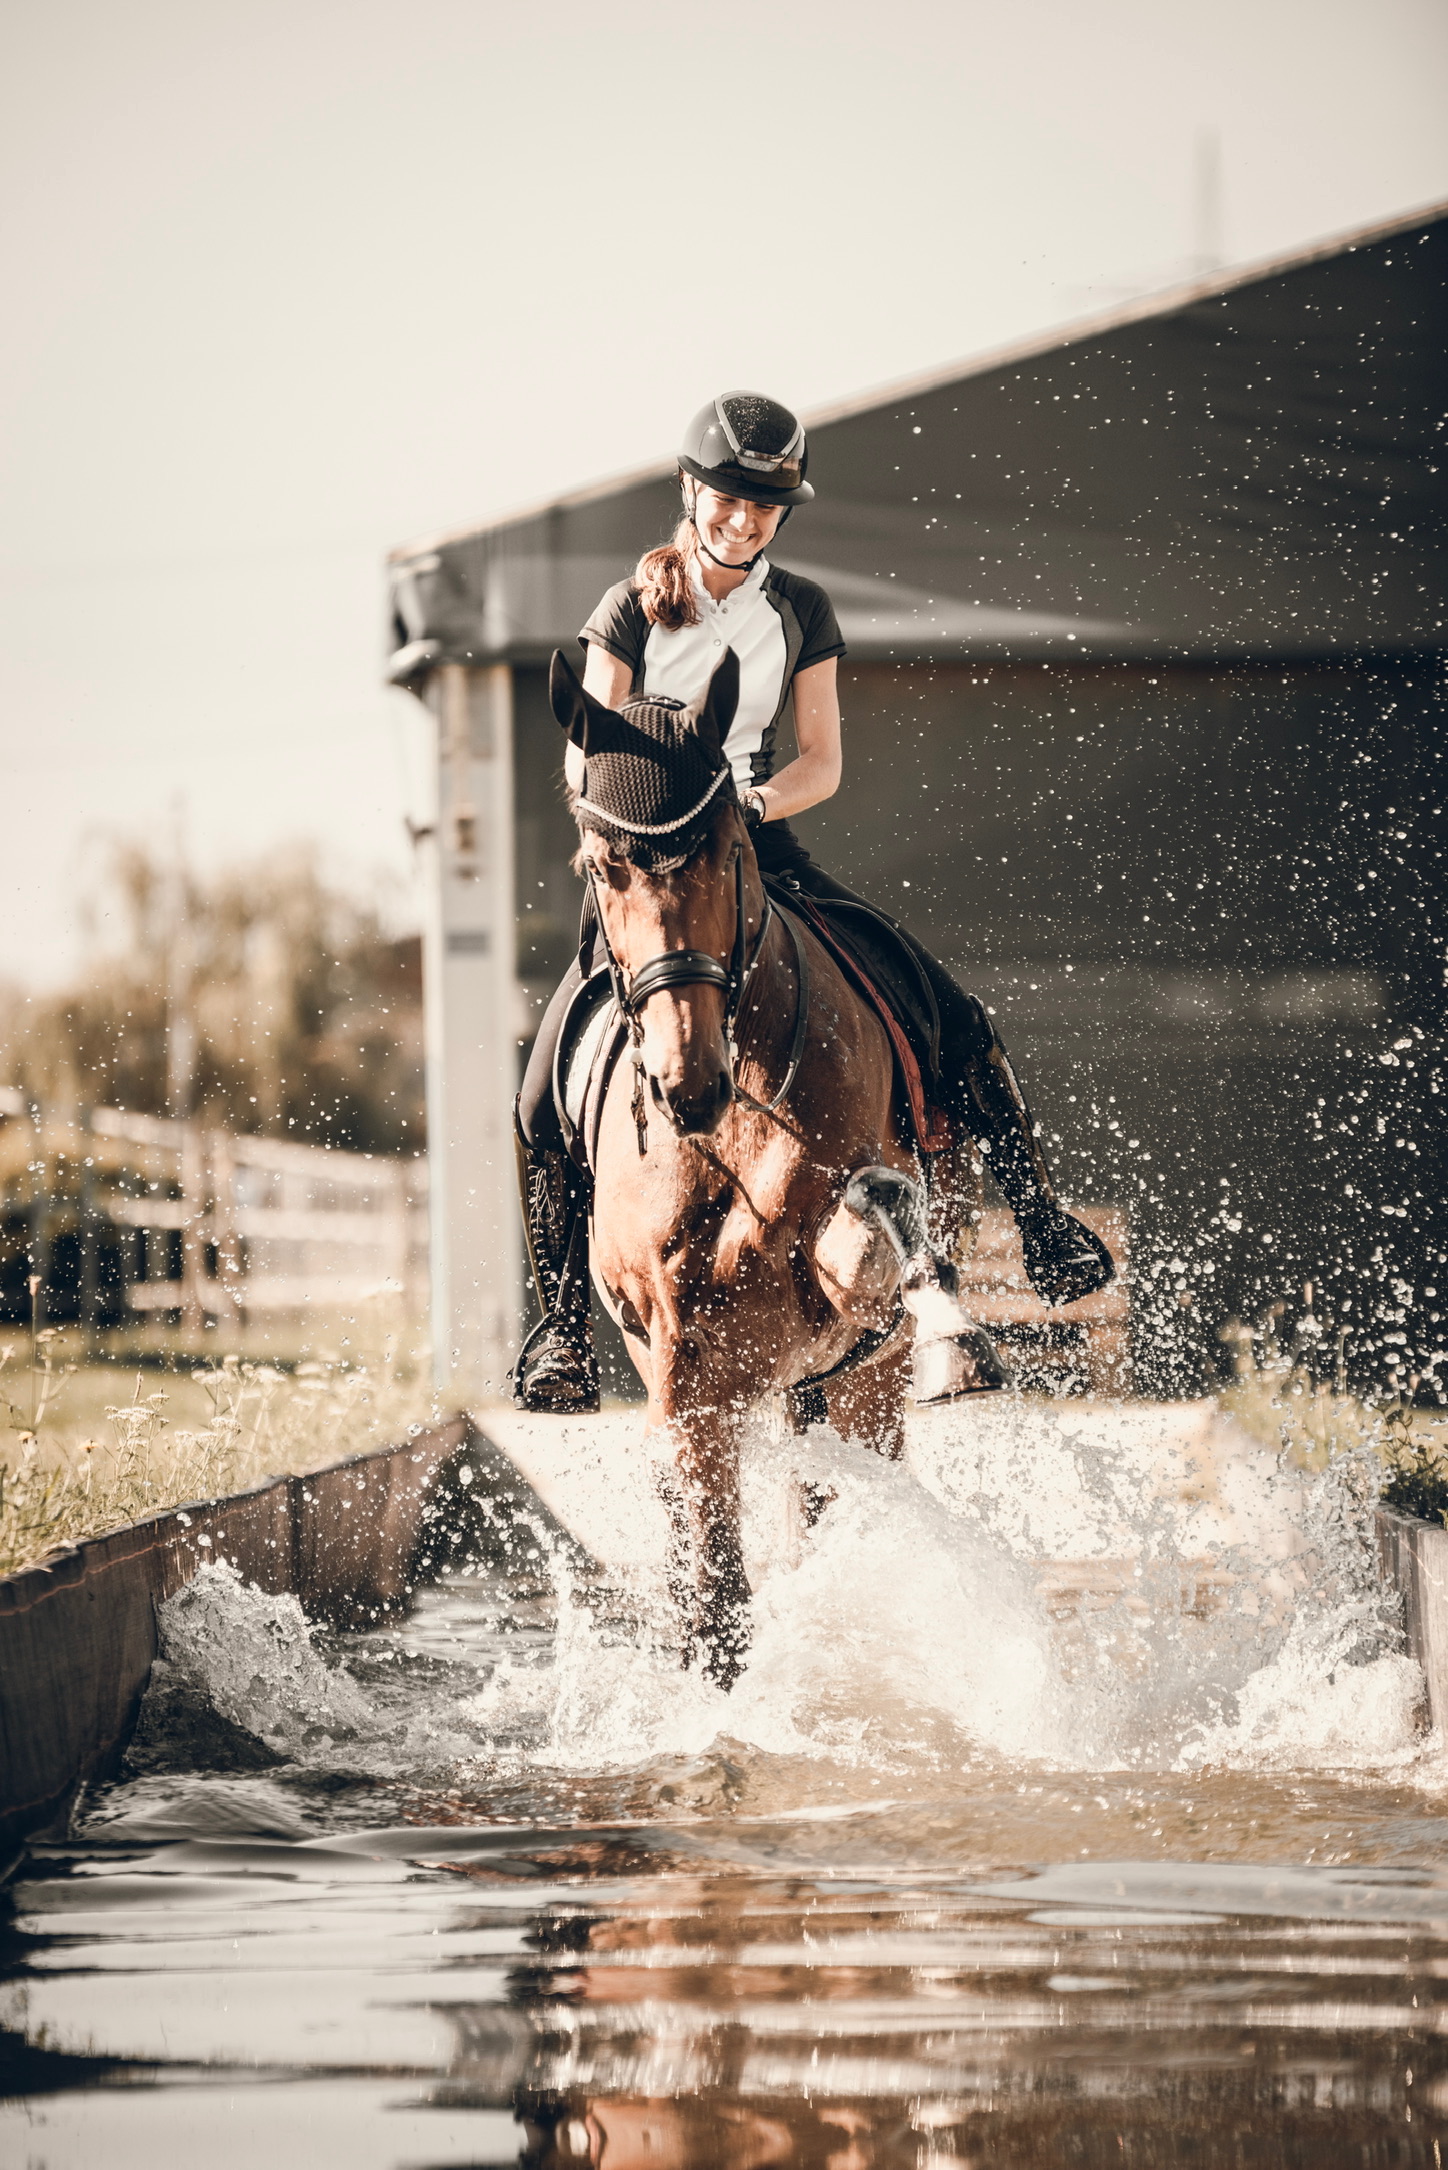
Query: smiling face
{"x": 735, "y": 529}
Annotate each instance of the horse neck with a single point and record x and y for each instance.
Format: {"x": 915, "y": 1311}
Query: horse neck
{"x": 765, "y": 1026}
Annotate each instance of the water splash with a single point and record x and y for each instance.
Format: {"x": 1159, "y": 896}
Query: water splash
{"x": 233, "y": 1653}
{"x": 253, "y": 1658}
{"x": 1037, "y": 1585}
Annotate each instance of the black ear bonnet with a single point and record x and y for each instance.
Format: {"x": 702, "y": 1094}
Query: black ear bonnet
{"x": 656, "y": 773}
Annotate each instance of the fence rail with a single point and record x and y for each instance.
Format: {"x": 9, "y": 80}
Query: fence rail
{"x": 116, "y": 1214}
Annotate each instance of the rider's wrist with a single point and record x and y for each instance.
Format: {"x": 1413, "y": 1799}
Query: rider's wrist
{"x": 754, "y": 809}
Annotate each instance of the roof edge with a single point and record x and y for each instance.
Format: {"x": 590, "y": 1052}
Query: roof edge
{"x": 1163, "y": 301}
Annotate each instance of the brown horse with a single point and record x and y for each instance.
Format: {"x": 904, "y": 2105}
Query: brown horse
{"x": 759, "y": 1207}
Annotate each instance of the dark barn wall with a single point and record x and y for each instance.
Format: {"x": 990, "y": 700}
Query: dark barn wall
{"x": 1205, "y": 904}
{"x": 1198, "y": 876}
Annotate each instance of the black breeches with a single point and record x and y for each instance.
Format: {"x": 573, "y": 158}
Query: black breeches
{"x": 537, "y": 1116}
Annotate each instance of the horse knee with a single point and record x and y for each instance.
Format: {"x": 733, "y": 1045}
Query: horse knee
{"x": 856, "y": 1262}
{"x": 683, "y": 1389}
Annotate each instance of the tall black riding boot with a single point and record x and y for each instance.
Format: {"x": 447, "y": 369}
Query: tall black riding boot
{"x": 556, "y": 1372}
{"x": 1064, "y": 1259}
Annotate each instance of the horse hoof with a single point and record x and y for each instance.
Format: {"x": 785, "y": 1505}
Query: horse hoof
{"x": 950, "y": 1367}
{"x": 721, "y": 1657}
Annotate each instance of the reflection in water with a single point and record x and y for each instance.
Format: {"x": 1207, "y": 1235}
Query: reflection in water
{"x": 1005, "y": 1852}
{"x": 709, "y": 1995}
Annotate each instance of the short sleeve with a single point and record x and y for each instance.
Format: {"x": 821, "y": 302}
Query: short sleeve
{"x": 619, "y": 625}
{"x": 820, "y": 628}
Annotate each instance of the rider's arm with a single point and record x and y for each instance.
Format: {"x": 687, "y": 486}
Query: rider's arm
{"x": 609, "y": 679}
{"x": 815, "y": 775}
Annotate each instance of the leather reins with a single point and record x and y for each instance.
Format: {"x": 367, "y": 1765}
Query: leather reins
{"x": 700, "y": 968}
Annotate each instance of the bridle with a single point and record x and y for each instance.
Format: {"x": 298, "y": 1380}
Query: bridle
{"x": 700, "y": 968}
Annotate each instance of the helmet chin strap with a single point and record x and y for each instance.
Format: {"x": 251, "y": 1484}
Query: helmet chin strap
{"x": 728, "y": 564}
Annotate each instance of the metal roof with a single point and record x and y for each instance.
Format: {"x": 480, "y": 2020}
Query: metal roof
{"x": 1248, "y": 465}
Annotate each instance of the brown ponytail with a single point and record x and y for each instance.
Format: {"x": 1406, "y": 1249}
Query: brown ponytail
{"x": 662, "y": 578}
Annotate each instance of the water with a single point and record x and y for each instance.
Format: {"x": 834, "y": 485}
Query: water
{"x": 1073, "y": 1809}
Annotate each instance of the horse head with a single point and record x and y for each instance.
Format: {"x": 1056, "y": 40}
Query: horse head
{"x": 674, "y": 879}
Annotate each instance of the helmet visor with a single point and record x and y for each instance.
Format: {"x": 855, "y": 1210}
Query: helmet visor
{"x": 743, "y": 478}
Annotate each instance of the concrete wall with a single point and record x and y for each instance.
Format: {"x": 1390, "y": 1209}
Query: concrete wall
{"x": 78, "y": 1633}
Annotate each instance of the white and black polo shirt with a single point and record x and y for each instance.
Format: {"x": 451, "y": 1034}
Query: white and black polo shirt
{"x": 777, "y": 623}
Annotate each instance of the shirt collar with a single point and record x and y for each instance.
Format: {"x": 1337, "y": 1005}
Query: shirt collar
{"x": 752, "y": 582}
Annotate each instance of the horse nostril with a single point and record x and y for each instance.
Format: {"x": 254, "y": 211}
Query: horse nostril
{"x": 696, "y": 1115}
{"x": 707, "y": 1112}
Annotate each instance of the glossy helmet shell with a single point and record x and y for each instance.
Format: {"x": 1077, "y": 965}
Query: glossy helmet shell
{"x": 746, "y": 445}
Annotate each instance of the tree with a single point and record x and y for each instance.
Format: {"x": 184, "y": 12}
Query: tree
{"x": 258, "y": 999}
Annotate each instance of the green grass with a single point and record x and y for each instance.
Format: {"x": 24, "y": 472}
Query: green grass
{"x": 1313, "y": 1427}
{"x": 89, "y": 1447}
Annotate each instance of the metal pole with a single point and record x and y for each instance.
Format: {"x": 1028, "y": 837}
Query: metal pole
{"x": 471, "y": 1004}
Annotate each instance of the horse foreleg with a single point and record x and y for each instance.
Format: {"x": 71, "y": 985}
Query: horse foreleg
{"x": 867, "y": 1405}
{"x": 697, "y": 1475}
{"x": 954, "y": 1357}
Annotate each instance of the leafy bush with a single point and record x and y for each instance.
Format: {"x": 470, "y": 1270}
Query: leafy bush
{"x": 1417, "y": 1479}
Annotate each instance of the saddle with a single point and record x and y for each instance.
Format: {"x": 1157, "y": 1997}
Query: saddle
{"x": 870, "y": 951}
{"x": 880, "y": 963}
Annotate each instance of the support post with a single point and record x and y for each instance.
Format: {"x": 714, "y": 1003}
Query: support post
{"x": 471, "y": 1002}
{"x": 193, "y": 1233}
{"x": 90, "y": 1257}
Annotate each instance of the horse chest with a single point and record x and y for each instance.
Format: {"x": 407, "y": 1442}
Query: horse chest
{"x": 681, "y": 1225}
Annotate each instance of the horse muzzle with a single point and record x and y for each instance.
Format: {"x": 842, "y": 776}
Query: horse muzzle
{"x": 690, "y": 1079}
{"x": 694, "y": 1109}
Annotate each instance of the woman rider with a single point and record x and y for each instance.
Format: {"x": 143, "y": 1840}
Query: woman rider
{"x": 742, "y": 472}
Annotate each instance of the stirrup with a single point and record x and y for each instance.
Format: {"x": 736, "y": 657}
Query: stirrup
{"x": 1064, "y": 1259}
{"x": 556, "y": 1371}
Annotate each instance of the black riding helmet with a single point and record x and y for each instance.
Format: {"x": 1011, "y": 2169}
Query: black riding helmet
{"x": 745, "y": 445}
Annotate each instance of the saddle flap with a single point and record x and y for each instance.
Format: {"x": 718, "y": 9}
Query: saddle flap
{"x": 878, "y": 960}
{"x": 895, "y": 971}
{"x": 590, "y": 1026}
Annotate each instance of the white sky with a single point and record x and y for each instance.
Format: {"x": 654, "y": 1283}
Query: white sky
{"x": 292, "y": 282}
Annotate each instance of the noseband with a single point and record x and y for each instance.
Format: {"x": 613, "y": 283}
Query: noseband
{"x": 699, "y": 968}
